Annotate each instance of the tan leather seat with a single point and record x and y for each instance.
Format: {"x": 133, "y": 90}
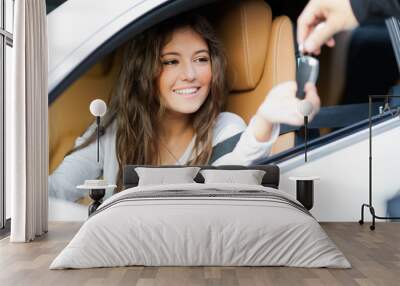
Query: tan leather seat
{"x": 69, "y": 114}
{"x": 260, "y": 54}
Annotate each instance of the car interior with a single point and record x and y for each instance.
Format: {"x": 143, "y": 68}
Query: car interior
{"x": 261, "y": 53}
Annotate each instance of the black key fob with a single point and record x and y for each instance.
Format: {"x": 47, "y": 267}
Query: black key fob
{"x": 307, "y": 71}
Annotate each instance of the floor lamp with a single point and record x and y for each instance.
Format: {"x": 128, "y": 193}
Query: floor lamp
{"x": 370, "y": 205}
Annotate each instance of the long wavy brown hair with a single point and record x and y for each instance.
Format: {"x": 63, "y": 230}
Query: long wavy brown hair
{"x": 135, "y": 100}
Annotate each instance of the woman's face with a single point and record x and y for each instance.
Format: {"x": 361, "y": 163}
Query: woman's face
{"x": 185, "y": 78}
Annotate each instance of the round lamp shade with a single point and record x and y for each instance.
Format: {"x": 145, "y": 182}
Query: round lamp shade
{"x": 305, "y": 107}
{"x": 98, "y": 107}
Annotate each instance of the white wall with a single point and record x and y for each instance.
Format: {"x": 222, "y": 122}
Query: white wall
{"x": 343, "y": 169}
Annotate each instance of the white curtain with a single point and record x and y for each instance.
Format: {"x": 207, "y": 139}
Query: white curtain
{"x": 26, "y": 123}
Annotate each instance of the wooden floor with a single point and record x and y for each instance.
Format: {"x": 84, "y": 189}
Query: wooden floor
{"x": 374, "y": 255}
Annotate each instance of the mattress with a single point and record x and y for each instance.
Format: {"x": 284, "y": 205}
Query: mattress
{"x": 201, "y": 225}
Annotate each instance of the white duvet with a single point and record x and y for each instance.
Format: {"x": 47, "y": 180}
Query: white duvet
{"x": 225, "y": 225}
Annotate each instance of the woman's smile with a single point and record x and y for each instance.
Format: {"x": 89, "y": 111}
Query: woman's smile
{"x": 188, "y": 92}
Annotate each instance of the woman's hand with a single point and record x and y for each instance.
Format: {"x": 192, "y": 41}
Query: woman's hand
{"x": 282, "y": 106}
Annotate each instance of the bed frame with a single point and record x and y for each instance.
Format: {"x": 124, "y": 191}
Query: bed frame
{"x": 270, "y": 179}
{"x": 131, "y": 178}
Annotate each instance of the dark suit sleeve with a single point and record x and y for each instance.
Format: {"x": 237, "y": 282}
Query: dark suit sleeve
{"x": 374, "y": 9}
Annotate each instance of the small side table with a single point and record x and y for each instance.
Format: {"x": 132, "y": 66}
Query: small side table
{"x": 96, "y": 193}
{"x": 305, "y": 190}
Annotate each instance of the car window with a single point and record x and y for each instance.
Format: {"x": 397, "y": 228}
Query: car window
{"x": 53, "y": 4}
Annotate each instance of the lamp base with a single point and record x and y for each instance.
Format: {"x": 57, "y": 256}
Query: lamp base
{"x": 97, "y": 196}
{"x": 305, "y": 193}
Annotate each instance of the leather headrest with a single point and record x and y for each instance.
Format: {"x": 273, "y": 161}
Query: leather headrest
{"x": 244, "y": 29}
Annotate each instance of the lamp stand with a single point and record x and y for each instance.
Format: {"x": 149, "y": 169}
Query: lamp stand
{"x": 98, "y": 136}
{"x": 369, "y": 205}
{"x": 305, "y": 137}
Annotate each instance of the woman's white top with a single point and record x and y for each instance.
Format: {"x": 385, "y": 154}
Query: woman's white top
{"x": 82, "y": 165}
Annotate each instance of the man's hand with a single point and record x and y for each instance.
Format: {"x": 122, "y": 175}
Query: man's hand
{"x": 320, "y": 20}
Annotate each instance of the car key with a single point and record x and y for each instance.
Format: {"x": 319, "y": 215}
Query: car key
{"x": 307, "y": 71}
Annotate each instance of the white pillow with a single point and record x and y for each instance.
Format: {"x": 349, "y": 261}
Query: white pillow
{"x": 248, "y": 177}
{"x": 162, "y": 176}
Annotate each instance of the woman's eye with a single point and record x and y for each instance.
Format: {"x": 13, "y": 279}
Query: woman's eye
{"x": 170, "y": 62}
{"x": 202, "y": 59}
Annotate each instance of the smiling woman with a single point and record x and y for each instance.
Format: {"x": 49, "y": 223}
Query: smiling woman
{"x": 166, "y": 108}
{"x": 186, "y": 72}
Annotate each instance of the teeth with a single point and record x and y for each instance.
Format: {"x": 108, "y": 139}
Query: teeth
{"x": 186, "y": 91}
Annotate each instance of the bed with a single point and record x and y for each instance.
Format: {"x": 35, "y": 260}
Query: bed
{"x": 201, "y": 224}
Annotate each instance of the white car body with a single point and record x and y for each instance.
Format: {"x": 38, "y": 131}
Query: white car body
{"x": 77, "y": 28}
